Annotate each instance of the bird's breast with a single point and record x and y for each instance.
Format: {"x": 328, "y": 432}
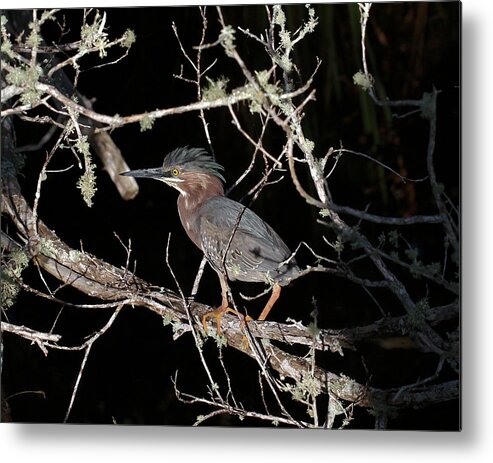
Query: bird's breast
{"x": 188, "y": 218}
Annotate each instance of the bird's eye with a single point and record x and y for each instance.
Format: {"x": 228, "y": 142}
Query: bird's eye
{"x": 175, "y": 172}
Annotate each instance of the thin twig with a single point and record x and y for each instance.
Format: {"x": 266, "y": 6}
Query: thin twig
{"x": 87, "y": 346}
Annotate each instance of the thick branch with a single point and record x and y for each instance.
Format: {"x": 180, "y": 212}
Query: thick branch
{"x": 29, "y": 333}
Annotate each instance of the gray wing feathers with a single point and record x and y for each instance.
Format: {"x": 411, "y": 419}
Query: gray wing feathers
{"x": 254, "y": 249}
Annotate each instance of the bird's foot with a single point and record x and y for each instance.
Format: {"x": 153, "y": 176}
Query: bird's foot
{"x": 218, "y": 315}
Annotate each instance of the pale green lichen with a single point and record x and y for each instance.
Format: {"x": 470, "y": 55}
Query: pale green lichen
{"x": 146, "y": 122}
{"x": 308, "y": 146}
{"x": 365, "y": 81}
{"x": 26, "y": 76}
{"x": 178, "y": 328}
{"x": 313, "y": 329}
{"x": 227, "y": 40}
{"x": 255, "y": 106}
{"x": 33, "y": 39}
{"x": 18, "y": 261}
{"x": 13, "y": 264}
{"x": 117, "y": 121}
{"x": 74, "y": 255}
{"x": 93, "y": 35}
{"x": 344, "y": 385}
{"x": 82, "y": 146}
{"x": 335, "y": 407}
{"x": 288, "y": 39}
{"x": 255, "y": 97}
{"x": 309, "y": 26}
{"x": 339, "y": 245}
{"x": 278, "y": 16}
{"x": 308, "y": 388}
{"x": 128, "y": 38}
{"x": 47, "y": 247}
{"x": 87, "y": 181}
{"x": 9, "y": 291}
{"x": 47, "y": 15}
{"x": 285, "y": 38}
{"x": 6, "y": 46}
{"x": 221, "y": 341}
{"x": 215, "y": 89}
{"x": 272, "y": 89}
{"x": 168, "y": 319}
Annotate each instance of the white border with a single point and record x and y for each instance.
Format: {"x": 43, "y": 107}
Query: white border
{"x": 73, "y": 443}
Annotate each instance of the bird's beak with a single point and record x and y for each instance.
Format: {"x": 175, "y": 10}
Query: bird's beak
{"x": 156, "y": 173}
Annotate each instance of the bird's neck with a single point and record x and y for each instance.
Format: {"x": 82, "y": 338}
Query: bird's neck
{"x": 190, "y": 200}
{"x": 204, "y": 188}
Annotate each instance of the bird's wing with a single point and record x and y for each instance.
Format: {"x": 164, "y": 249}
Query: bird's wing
{"x": 251, "y": 244}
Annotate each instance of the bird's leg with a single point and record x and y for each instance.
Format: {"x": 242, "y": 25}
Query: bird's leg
{"x": 276, "y": 292}
{"x": 222, "y": 309}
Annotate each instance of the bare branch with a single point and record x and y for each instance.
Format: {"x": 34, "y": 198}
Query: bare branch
{"x": 87, "y": 346}
{"x": 399, "y": 221}
{"x": 37, "y": 337}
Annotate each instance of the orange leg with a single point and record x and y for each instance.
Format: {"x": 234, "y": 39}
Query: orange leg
{"x": 218, "y": 315}
{"x": 222, "y": 309}
{"x": 276, "y": 292}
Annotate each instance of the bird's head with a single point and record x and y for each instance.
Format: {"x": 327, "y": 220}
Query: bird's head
{"x": 184, "y": 169}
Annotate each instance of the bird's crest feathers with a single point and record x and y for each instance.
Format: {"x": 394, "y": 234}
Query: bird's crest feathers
{"x": 193, "y": 159}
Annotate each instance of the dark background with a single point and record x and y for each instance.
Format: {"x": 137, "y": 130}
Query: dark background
{"x": 411, "y": 48}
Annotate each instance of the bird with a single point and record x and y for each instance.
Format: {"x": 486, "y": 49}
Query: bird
{"x": 236, "y": 242}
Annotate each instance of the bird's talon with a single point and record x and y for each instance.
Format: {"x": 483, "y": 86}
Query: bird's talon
{"x": 218, "y": 315}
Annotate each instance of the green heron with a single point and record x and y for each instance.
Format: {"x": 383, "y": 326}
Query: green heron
{"x": 237, "y": 243}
